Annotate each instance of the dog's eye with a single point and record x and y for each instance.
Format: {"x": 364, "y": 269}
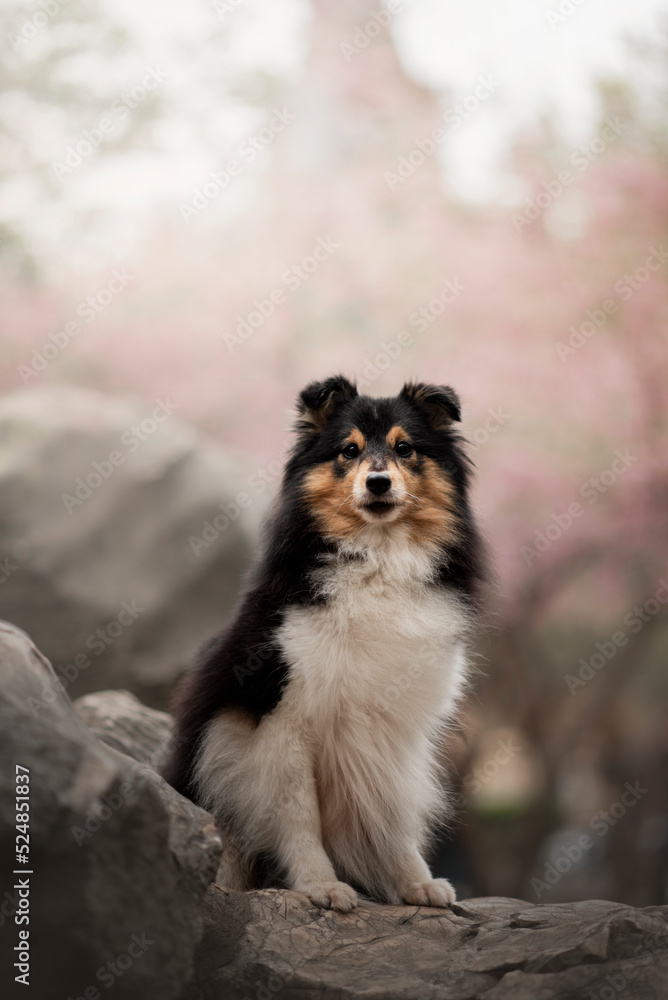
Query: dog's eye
{"x": 404, "y": 449}
{"x": 350, "y": 451}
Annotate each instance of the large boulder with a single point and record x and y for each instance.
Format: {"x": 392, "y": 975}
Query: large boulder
{"x": 106, "y": 559}
{"x": 274, "y": 943}
{"x": 117, "y": 862}
{"x": 120, "y": 720}
{"x": 119, "y": 892}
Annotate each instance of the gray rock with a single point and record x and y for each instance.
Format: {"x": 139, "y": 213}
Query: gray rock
{"x": 120, "y": 861}
{"x": 145, "y": 871}
{"x": 274, "y": 943}
{"x": 119, "y": 719}
{"x": 75, "y": 558}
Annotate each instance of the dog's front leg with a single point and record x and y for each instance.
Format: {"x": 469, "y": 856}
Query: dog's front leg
{"x": 415, "y": 884}
{"x": 261, "y": 780}
{"x": 298, "y": 837}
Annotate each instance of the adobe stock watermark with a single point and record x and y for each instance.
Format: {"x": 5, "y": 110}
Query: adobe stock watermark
{"x": 8, "y": 567}
{"x": 32, "y": 25}
{"x": 420, "y": 319}
{"x": 581, "y": 158}
{"x": 427, "y": 656}
{"x": 364, "y": 33}
{"x": 114, "y": 969}
{"x": 423, "y": 317}
{"x": 389, "y": 351}
{"x": 454, "y": 117}
{"x": 635, "y": 620}
{"x": 292, "y": 278}
{"x": 107, "y": 123}
{"x": 98, "y": 642}
{"x": 617, "y": 982}
{"x": 225, "y": 7}
{"x": 492, "y": 423}
{"x": 130, "y": 440}
{"x": 596, "y": 318}
{"x": 256, "y": 659}
{"x": 107, "y": 805}
{"x": 212, "y": 529}
{"x": 20, "y": 553}
{"x": 570, "y": 855}
{"x": 87, "y": 310}
{"x": 564, "y": 10}
{"x": 476, "y": 779}
{"x": 268, "y": 989}
{"x": 591, "y": 491}
{"x": 247, "y": 151}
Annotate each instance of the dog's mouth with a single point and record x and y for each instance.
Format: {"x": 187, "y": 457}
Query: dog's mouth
{"x": 380, "y": 507}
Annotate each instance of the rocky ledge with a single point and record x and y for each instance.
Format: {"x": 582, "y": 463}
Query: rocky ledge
{"x": 124, "y": 895}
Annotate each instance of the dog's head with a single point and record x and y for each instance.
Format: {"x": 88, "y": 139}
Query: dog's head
{"x": 363, "y": 461}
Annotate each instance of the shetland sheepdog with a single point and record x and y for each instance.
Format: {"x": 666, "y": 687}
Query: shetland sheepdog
{"x": 311, "y": 726}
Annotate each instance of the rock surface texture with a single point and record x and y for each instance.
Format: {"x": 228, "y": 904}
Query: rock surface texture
{"x": 273, "y": 943}
{"x": 120, "y": 721}
{"x": 102, "y": 497}
{"x": 122, "y": 862}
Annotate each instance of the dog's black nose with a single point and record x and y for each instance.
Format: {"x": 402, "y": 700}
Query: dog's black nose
{"x": 378, "y": 483}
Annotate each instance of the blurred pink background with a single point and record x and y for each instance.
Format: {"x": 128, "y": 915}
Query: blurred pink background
{"x": 519, "y": 253}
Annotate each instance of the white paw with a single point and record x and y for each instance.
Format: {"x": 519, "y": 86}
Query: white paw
{"x": 331, "y": 895}
{"x": 437, "y": 892}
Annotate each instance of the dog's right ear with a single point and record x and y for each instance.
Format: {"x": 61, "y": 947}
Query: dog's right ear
{"x": 439, "y": 402}
{"x": 319, "y": 400}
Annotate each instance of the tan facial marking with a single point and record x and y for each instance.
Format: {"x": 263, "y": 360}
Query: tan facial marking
{"x": 395, "y": 435}
{"x": 356, "y": 437}
{"x": 433, "y": 516}
{"x": 425, "y": 492}
{"x": 331, "y": 500}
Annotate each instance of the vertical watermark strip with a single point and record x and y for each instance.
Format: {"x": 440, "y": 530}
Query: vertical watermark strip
{"x": 23, "y": 874}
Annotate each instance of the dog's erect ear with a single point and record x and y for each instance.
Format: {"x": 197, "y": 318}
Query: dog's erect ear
{"x": 440, "y": 402}
{"x": 318, "y": 401}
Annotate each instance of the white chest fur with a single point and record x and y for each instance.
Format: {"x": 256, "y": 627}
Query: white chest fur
{"x": 374, "y": 673}
{"x": 386, "y": 644}
{"x": 350, "y": 755}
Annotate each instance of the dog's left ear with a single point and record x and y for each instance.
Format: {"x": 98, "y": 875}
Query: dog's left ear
{"x": 319, "y": 400}
{"x": 440, "y": 402}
